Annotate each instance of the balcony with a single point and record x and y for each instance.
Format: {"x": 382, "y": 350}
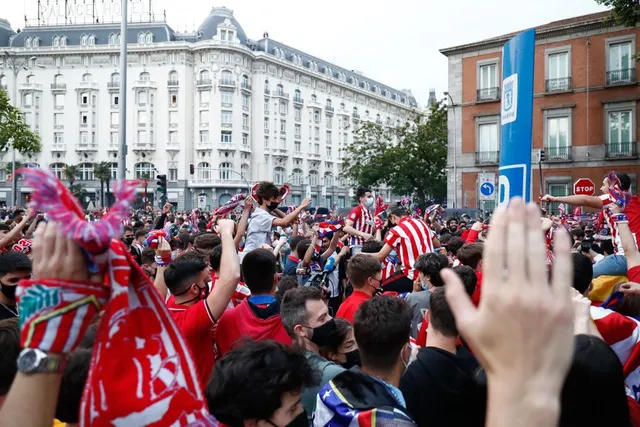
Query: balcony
{"x": 245, "y": 86}
{"x": 87, "y": 85}
{"x": 58, "y": 87}
{"x": 113, "y": 147}
{"x": 245, "y": 127}
{"x": 487, "y": 157}
{"x": 60, "y": 148}
{"x": 488, "y": 94}
{"x": 173, "y": 146}
{"x": 203, "y": 83}
{"x": 145, "y": 84}
{"x": 227, "y": 84}
{"x": 558, "y": 85}
{"x": 281, "y": 151}
{"x": 209, "y": 179}
{"x": 558, "y": 154}
{"x": 86, "y": 147}
{"x": 226, "y": 125}
{"x": 314, "y": 155}
{"x": 267, "y": 91}
{"x": 298, "y": 100}
{"x": 173, "y": 83}
{"x": 204, "y": 146}
{"x": 621, "y": 77}
{"x": 298, "y": 119}
{"x": 204, "y": 125}
{"x": 329, "y": 110}
{"x": 617, "y": 150}
{"x": 281, "y": 94}
{"x": 144, "y": 146}
{"x": 355, "y": 117}
{"x": 113, "y": 85}
{"x": 30, "y": 86}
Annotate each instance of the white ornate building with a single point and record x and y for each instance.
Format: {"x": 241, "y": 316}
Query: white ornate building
{"x": 238, "y": 110}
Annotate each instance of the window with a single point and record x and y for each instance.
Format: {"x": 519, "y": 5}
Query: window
{"x": 58, "y": 100}
{"x": 298, "y": 131}
{"x": 173, "y": 137}
{"x": 173, "y": 99}
{"x": 113, "y": 168}
{"x": 329, "y": 152}
{"x": 620, "y": 134}
{"x": 283, "y": 143}
{"x": 245, "y": 102}
{"x": 205, "y": 95}
{"x": 314, "y": 98}
{"x": 245, "y": 121}
{"x": 488, "y": 82}
{"x": 226, "y": 137}
{"x": 226, "y": 171}
{"x": 204, "y": 117}
{"x": 558, "y": 72}
{"x": 283, "y": 126}
{"x": 298, "y": 113}
{"x": 558, "y": 189}
{"x": 56, "y": 41}
{"x": 205, "y": 77}
{"x": 63, "y": 41}
{"x": 245, "y": 171}
{"x": 58, "y": 119}
{"x": 226, "y": 98}
{"x": 621, "y": 64}
{"x": 328, "y": 179}
{"x": 142, "y": 98}
{"x": 58, "y": 138}
{"x": 488, "y": 142}
{"x": 313, "y": 178}
{"x": 173, "y": 117}
{"x": 266, "y": 124}
{"x": 227, "y": 78}
{"x": 92, "y": 40}
{"x": 84, "y": 118}
{"x": 86, "y": 78}
{"x": 558, "y": 138}
{"x": 279, "y": 89}
{"x": 142, "y": 118}
{"x": 283, "y": 108}
{"x": 149, "y": 38}
{"x": 113, "y": 138}
{"x": 266, "y": 106}
{"x": 173, "y": 77}
{"x": 173, "y": 174}
{"x": 145, "y": 77}
{"x": 298, "y": 178}
{"x": 329, "y": 121}
{"x": 226, "y": 117}
{"x": 142, "y": 137}
{"x": 245, "y": 81}
{"x": 316, "y": 115}
{"x": 278, "y": 176}
{"x": 245, "y": 139}
{"x": 204, "y": 171}
{"x": 316, "y": 133}
{"x": 266, "y": 142}
{"x": 297, "y": 96}
{"x": 58, "y": 169}
{"x": 329, "y": 136}
{"x": 144, "y": 171}
{"x": 86, "y": 171}
{"x": 204, "y": 136}
{"x": 84, "y": 138}
{"x": 115, "y": 99}
{"x": 316, "y": 148}
{"x": 27, "y": 100}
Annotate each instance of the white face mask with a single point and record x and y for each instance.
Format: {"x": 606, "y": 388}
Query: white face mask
{"x": 369, "y": 202}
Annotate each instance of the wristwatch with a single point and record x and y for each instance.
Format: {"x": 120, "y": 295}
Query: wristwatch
{"x": 35, "y": 361}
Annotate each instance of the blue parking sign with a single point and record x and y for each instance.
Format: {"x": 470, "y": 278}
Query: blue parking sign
{"x": 516, "y": 118}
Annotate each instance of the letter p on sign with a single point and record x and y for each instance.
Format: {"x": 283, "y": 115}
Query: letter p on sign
{"x": 584, "y": 187}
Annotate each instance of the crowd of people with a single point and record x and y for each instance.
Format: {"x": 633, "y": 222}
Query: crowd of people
{"x": 262, "y": 316}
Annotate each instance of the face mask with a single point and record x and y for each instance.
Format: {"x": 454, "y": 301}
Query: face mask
{"x": 299, "y": 421}
{"x": 424, "y": 285}
{"x": 369, "y": 202}
{"x": 272, "y": 206}
{"x": 324, "y": 335}
{"x": 128, "y": 240}
{"x": 8, "y": 291}
{"x": 353, "y": 359}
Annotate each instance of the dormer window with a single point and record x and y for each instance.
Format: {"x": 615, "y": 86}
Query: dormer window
{"x": 328, "y": 71}
{"x": 92, "y": 40}
{"x": 27, "y": 42}
{"x": 83, "y": 40}
{"x": 114, "y": 39}
{"x": 63, "y": 41}
{"x": 227, "y": 35}
{"x": 148, "y": 38}
{"x": 56, "y": 41}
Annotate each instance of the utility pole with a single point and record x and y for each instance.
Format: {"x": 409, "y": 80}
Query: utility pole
{"x": 15, "y": 67}
{"x": 122, "y": 161}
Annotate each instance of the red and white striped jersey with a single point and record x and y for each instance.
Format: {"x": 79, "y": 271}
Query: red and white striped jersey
{"x": 362, "y": 221}
{"x": 607, "y": 200}
{"x": 388, "y": 268}
{"x": 410, "y": 238}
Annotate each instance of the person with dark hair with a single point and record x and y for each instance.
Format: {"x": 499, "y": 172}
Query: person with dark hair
{"x": 440, "y": 381}
{"x": 284, "y": 284}
{"x": 14, "y": 266}
{"x": 365, "y": 274}
{"x": 582, "y": 273}
{"x": 344, "y": 351}
{"x": 428, "y": 267}
{"x": 9, "y": 351}
{"x": 194, "y": 309}
{"x": 409, "y": 238}
{"x": 453, "y": 246}
{"x": 206, "y": 242}
{"x": 257, "y": 317}
{"x": 307, "y": 320}
{"x": 614, "y": 185}
{"x": 148, "y": 260}
{"x": 471, "y": 255}
{"x": 452, "y": 225}
{"x": 260, "y": 384}
{"x": 72, "y": 385}
{"x": 382, "y": 329}
{"x": 266, "y": 216}
{"x": 359, "y": 224}
{"x": 291, "y": 264}
{"x": 127, "y": 237}
{"x": 390, "y": 265}
{"x": 137, "y": 246}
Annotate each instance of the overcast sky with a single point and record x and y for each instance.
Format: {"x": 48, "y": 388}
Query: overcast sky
{"x": 396, "y": 42}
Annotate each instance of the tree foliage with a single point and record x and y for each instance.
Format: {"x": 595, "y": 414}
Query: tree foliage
{"x": 102, "y": 172}
{"x": 411, "y": 159}
{"x": 625, "y": 12}
{"x": 14, "y": 131}
{"x": 72, "y": 172}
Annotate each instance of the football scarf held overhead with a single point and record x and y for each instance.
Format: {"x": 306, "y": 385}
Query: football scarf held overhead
{"x": 154, "y": 381}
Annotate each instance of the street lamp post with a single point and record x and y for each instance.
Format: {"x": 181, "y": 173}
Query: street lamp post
{"x": 455, "y": 153}
{"x": 122, "y": 161}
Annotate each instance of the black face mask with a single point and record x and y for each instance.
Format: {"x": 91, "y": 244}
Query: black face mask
{"x": 272, "y": 206}
{"x": 325, "y": 335}
{"x": 353, "y": 359}
{"x": 128, "y": 240}
{"x": 299, "y": 421}
{"x": 8, "y": 291}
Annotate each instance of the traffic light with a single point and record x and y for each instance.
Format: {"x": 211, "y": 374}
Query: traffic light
{"x": 542, "y": 156}
{"x": 162, "y": 188}
{"x": 192, "y": 169}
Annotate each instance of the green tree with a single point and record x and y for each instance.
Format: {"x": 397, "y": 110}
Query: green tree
{"x": 78, "y": 191}
{"x": 145, "y": 177}
{"x": 72, "y": 172}
{"x": 14, "y": 131}
{"x": 624, "y": 12}
{"x": 102, "y": 171}
{"x": 9, "y": 168}
{"x": 410, "y": 159}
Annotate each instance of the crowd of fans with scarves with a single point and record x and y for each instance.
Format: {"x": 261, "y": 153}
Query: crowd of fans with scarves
{"x": 263, "y": 314}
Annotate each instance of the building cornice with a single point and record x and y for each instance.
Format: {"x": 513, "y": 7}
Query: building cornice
{"x": 541, "y": 34}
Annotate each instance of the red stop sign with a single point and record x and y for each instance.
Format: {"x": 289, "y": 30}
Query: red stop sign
{"x": 584, "y": 187}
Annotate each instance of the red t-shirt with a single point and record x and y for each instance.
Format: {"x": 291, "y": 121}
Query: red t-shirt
{"x": 196, "y": 324}
{"x": 633, "y": 213}
{"x": 349, "y": 307}
{"x": 633, "y": 274}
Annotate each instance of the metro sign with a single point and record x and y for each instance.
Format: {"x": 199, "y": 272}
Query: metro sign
{"x": 584, "y": 187}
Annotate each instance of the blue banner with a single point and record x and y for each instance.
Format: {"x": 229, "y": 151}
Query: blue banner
{"x": 516, "y": 117}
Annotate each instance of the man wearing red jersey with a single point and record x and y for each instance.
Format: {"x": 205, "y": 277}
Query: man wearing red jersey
{"x": 410, "y": 238}
{"x": 365, "y": 274}
{"x": 359, "y": 223}
{"x": 614, "y": 264}
{"x": 258, "y": 317}
{"x": 194, "y": 309}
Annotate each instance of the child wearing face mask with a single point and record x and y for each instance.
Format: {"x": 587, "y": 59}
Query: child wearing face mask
{"x": 346, "y": 353}
{"x": 266, "y": 216}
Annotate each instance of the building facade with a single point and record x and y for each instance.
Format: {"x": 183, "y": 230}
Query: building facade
{"x": 585, "y": 108}
{"x": 213, "y": 110}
